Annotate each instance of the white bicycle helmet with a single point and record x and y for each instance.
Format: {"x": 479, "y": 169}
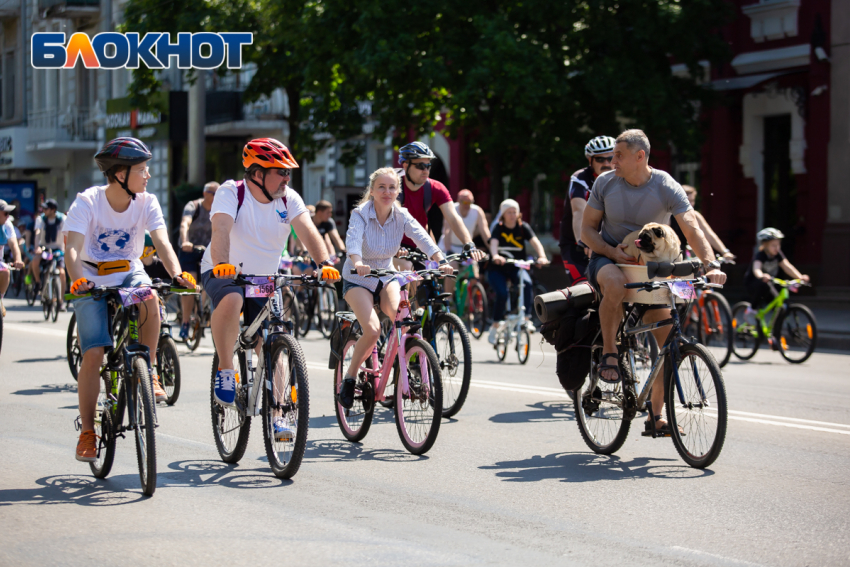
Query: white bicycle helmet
{"x": 769, "y": 233}
{"x": 599, "y": 145}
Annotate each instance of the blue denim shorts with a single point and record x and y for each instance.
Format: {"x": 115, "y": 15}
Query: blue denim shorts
{"x": 93, "y": 325}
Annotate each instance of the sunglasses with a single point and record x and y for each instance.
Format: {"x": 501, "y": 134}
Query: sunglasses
{"x": 282, "y": 172}
{"x": 422, "y": 166}
{"x": 599, "y": 159}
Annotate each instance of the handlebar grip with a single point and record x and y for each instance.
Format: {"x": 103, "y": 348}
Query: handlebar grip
{"x": 353, "y": 272}
{"x": 638, "y": 285}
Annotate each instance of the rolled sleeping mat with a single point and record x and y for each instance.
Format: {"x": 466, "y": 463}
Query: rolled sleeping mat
{"x": 553, "y": 305}
{"x": 682, "y": 269}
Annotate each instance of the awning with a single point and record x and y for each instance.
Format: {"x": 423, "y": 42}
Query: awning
{"x": 744, "y": 82}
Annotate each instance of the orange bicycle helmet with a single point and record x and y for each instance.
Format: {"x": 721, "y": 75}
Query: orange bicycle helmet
{"x": 267, "y": 153}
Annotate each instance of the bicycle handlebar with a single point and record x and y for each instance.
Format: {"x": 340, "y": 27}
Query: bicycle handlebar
{"x": 104, "y": 290}
{"x": 386, "y": 272}
{"x": 698, "y": 283}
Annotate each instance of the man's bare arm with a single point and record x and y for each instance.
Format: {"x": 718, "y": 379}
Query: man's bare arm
{"x": 455, "y": 222}
{"x": 220, "y": 242}
{"x": 577, "y": 206}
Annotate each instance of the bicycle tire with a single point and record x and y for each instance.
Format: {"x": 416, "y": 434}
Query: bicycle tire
{"x": 72, "y": 348}
{"x": 689, "y": 415}
{"x": 45, "y": 300}
{"x": 326, "y": 315}
{"x": 168, "y": 364}
{"x": 145, "y": 430}
{"x": 355, "y": 421}
{"x": 523, "y": 346}
{"x": 808, "y": 339}
{"x": 105, "y": 431}
{"x": 591, "y": 398}
{"x": 226, "y": 420}
{"x": 645, "y": 355}
{"x": 31, "y": 294}
{"x": 54, "y": 304}
{"x": 747, "y": 329}
{"x": 455, "y": 332}
{"x": 429, "y": 403}
{"x": 477, "y": 310}
{"x": 286, "y": 468}
{"x": 289, "y": 306}
{"x": 502, "y": 341}
{"x": 306, "y": 307}
{"x": 717, "y": 316}
{"x": 196, "y": 327}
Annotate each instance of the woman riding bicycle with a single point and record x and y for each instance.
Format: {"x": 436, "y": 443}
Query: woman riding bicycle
{"x": 509, "y": 238}
{"x": 375, "y": 230}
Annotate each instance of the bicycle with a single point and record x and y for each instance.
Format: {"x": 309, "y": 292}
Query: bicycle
{"x": 445, "y": 332}
{"x": 469, "y": 301}
{"x": 417, "y": 389}
{"x": 695, "y": 394}
{"x": 709, "y": 319}
{"x": 792, "y": 329}
{"x": 515, "y": 326}
{"x": 126, "y": 385}
{"x": 199, "y": 318}
{"x": 167, "y": 359}
{"x": 276, "y": 387}
{"x": 51, "y": 286}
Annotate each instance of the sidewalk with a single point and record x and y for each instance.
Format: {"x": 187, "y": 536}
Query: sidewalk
{"x": 833, "y": 328}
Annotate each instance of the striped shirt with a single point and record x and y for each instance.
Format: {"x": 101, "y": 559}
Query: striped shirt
{"x": 376, "y": 245}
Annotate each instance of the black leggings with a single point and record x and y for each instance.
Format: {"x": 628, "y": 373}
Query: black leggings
{"x": 761, "y": 293}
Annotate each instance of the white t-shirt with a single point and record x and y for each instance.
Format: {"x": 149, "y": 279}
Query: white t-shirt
{"x": 111, "y": 235}
{"x": 42, "y": 237}
{"x": 470, "y": 221}
{"x": 7, "y": 233}
{"x": 260, "y": 232}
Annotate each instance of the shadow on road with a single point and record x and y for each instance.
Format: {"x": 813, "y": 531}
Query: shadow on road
{"x": 539, "y": 412}
{"x": 340, "y": 451}
{"x": 49, "y": 389}
{"x": 52, "y": 359}
{"x": 207, "y": 473}
{"x": 589, "y": 467}
{"x": 382, "y": 416}
{"x": 76, "y": 489}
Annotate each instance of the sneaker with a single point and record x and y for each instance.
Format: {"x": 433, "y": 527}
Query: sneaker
{"x": 184, "y": 331}
{"x": 282, "y": 431}
{"x": 495, "y": 329}
{"x": 346, "y": 393}
{"x": 87, "y": 447}
{"x": 225, "y": 387}
{"x": 158, "y": 392}
{"x": 2, "y": 307}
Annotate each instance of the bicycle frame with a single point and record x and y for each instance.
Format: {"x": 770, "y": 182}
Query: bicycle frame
{"x": 774, "y": 306}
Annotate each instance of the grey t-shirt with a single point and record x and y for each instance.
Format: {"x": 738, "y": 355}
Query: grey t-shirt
{"x": 626, "y": 208}
{"x": 200, "y": 231}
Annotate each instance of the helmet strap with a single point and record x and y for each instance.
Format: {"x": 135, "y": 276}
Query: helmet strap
{"x": 123, "y": 184}
{"x": 262, "y": 185}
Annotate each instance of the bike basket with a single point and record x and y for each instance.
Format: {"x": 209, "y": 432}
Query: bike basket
{"x": 345, "y": 326}
{"x": 636, "y": 274}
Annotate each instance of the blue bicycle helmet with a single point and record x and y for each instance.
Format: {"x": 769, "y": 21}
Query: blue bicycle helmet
{"x": 415, "y": 150}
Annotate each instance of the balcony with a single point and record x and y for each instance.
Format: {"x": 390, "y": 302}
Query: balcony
{"x": 228, "y": 116}
{"x": 54, "y": 130}
{"x": 69, "y": 8}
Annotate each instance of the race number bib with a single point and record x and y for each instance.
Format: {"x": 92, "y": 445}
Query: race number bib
{"x": 431, "y": 264}
{"x": 132, "y": 296}
{"x": 685, "y": 290}
{"x": 404, "y": 278}
{"x": 262, "y": 288}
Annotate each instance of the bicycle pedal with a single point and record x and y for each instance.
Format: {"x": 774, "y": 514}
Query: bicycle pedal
{"x": 78, "y": 423}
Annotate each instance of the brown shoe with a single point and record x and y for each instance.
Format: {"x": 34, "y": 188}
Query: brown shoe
{"x": 87, "y": 447}
{"x": 158, "y": 393}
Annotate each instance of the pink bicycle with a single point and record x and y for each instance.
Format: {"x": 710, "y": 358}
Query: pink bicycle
{"x": 415, "y": 387}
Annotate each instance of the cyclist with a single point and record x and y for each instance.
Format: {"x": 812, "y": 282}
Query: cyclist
{"x": 195, "y": 231}
{"x": 476, "y": 224}
{"x": 323, "y": 219}
{"x": 765, "y": 266}
{"x": 106, "y": 235}
{"x": 622, "y": 201}
{"x": 7, "y": 238}
{"x": 710, "y": 235}
{"x": 251, "y": 221}
{"x": 575, "y": 254}
{"x": 375, "y": 231}
{"x": 509, "y": 239}
{"x": 49, "y": 227}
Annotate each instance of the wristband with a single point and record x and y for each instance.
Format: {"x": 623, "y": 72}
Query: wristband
{"x": 327, "y": 263}
{"x": 469, "y": 247}
{"x": 443, "y": 262}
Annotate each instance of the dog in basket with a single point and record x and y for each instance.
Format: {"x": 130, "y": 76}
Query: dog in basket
{"x": 653, "y": 243}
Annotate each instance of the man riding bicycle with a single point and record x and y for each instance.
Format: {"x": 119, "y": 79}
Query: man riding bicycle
{"x": 621, "y": 202}
{"x": 7, "y": 238}
{"x": 599, "y": 152}
{"x": 476, "y": 224}
{"x": 49, "y": 228}
{"x": 251, "y": 221}
{"x": 195, "y": 232}
{"x": 106, "y": 236}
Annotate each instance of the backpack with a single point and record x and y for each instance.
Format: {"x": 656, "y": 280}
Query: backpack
{"x": 240, "y": 198}
{"x": 572, "y": 336}
{"x": 50, "y": 230}
{"x": 426, "y": 198}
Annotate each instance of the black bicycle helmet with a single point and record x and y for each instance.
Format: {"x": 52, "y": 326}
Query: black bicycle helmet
{"x": 51, "y": 204}
{"x": 414, "y": 151}
{"x": 122, "y": 152}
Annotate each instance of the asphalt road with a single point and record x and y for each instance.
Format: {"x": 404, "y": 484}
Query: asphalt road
{"x": 509, "y": 481}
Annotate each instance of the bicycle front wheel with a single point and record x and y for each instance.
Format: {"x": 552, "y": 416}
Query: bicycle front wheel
{"x": 455, "y": 354}
{"x": 231, "y": 427}
{"x": 696, "y": 406}
{"x": 601, "y": 408}
{"x": 56, "y": 292}
{"x": 306, "y": 307}
{"x": 31, "y": 293}
{"x": 503, "y": 337}
{"x": 476, "y": 310}
{"x": 143, "y": 411}
{"x": 196, "y": 327}
{"x": 104, "y": 425}
{"x": 715, "y": 327}
{"x": 45, "y": 299}
{"x": 327, "y": 308}
{"x": 168, "y": 364}
{"x": 355, "y": 421}
{"x": 747, "y": 330}
{"x": 798, "y": 334}
{"x": 72, "y": 348}
{"x": 291, "y": 309}
{"x": 418, "y": 410}
{"x": 286, "y": 407}
{"x": 523, "y": 346}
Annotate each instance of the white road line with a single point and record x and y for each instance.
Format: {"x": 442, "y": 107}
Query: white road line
{"x": 34, "y": 329}
{"x": 789, "y": 419}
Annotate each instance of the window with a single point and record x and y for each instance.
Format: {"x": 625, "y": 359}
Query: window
{"x": 9, "y": 73}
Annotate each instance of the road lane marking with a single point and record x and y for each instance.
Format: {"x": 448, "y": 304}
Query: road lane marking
{"x": 36, "y": 330}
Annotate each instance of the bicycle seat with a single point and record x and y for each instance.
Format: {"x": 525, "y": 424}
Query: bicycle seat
{"x": 677, "y": 269}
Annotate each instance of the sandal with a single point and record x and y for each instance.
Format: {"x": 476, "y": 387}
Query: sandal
{"x": 660, "y": 430}
{"x": 615, "y": 367}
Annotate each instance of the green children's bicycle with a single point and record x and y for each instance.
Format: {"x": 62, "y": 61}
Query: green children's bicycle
{"x": 789, "y": 328}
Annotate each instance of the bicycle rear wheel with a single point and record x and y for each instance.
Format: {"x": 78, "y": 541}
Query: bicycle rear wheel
{"x": 56, "y": 292}
{"x": 31, "y": 293}
{"x": 104, "y": 428}
{"x": 696, "y": 402}
{"x": 602, "y": 409}
{"x": 72, "y": 347}
{"x": 231, "y": 427}
{"x": 455, "y": 354}
{"x": 502, "y": 339}
{"x": 286, "y": 398}
{"x": 798, "y": 333}
{"x": 476, "y": 310}
{"x": 418, "y": 411}
{"x": 355, "y": 421}
{"x": 747, "y": 330}
{"x": 715, "y": 327}
{"x": 196, "y": 327}
{"x": 327, "y": 309}
{"x": 168, "y": 364}
{"x": 645, "y": 353}
{"x": 145, "y": 433}
{"x": 45, "y": 299}
{"x": 307, "y": 308}
{"x": 523, "y": 346}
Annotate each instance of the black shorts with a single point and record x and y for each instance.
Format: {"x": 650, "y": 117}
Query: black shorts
{"x": 218, "y": 288}
{"x": 597, "y": 262}
{"x": 575, "y": 262}
{"x": 190, "y": 261}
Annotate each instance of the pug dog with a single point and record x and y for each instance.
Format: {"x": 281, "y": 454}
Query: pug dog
{"x": 653, "y": 243}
